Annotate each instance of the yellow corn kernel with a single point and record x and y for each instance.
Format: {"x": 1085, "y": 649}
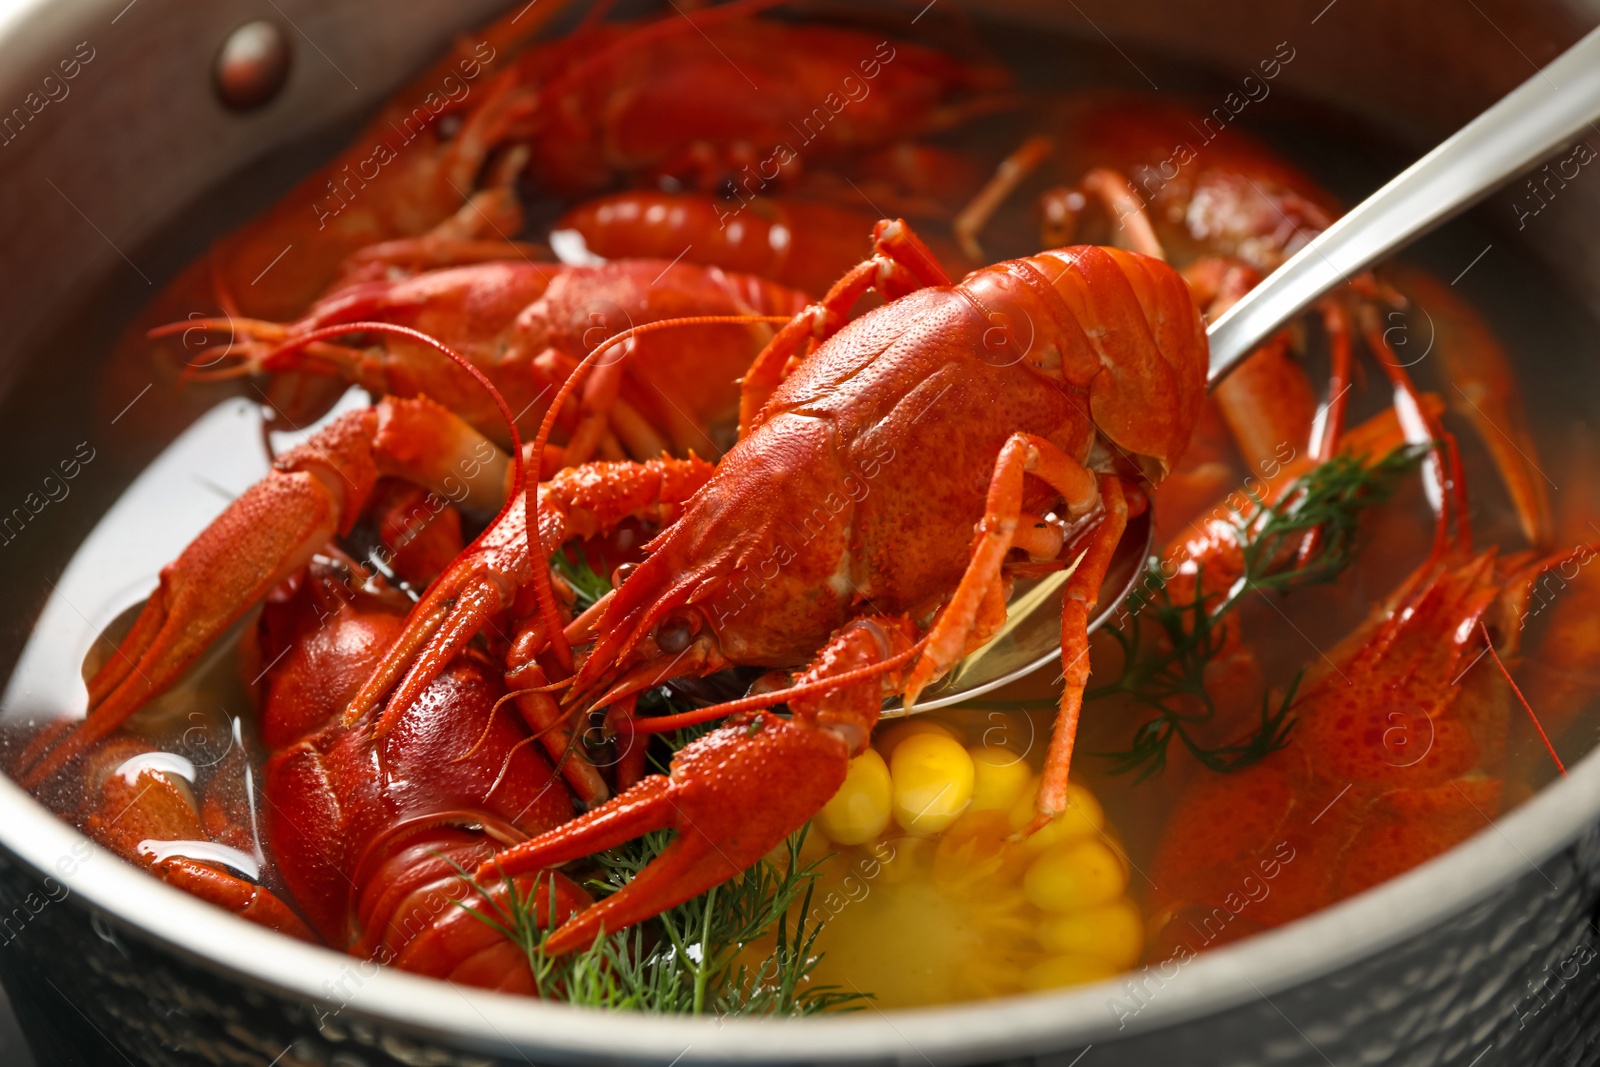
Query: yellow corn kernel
{"x": 1067, "y": 970}
{"x": 859, "y": 811}
{"x": 1113, "y": 933}
{"x": 1083, "y": 816}
{"x": 1000, "y": 776}
{"x": 1076, "y": 874}
{"x": 890, "y": 736}
{"x": 933, "y": 778}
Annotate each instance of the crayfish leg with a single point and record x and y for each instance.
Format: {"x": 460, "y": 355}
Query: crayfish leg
{"x": 1022, "y": 454}
{"x": 948, "y": 641}
{"x": 245, "y": 899}
{"x": 1010, "y": 173}
{"x": 142, "y": 806}
{"x": 474, "y": 234}
{"x": 529, "y": 688}
{"x": 1483, "y": 390}
{"x": 1082, "y": 591}
{"x": 732, "y": 797}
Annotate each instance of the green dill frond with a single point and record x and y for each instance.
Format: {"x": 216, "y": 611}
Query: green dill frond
{"x": 1167, "y": 674}
{"x": 695, "y": 958}
{"x": 573, "y": 565}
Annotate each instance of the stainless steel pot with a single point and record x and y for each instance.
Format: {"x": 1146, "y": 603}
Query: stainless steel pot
{"x": 1480, "y": 956}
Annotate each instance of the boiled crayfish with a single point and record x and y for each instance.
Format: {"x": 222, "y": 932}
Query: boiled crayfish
{"x": 835, "y": 539}
{"x": 430, "y": 180}
{"x": 526, "y": 326}
{"x": 374, "y": 862}
{"x": 1399, "y": 746}
{"x": 435, "y": 182}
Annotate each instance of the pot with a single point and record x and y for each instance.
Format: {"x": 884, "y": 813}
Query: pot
{"x": 1476, "y": 956}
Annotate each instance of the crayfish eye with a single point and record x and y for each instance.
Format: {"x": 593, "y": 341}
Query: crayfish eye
{"x": 674, "y": 633}
{"x": 620, "y": 575}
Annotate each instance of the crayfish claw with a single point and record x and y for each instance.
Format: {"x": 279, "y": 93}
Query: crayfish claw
{"x": 732, "y": 797}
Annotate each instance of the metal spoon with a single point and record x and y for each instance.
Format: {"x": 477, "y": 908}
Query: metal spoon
{"x": 1534, "y": 120}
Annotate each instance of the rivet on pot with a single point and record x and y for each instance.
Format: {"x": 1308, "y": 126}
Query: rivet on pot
{"x": 252, "y": 65}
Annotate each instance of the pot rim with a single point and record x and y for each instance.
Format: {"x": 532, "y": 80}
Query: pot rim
{"x": 1222, "y": 978}
{"x": 1217, "y": 980}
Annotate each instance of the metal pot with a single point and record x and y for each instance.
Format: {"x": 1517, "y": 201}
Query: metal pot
{"x": 1477, "y": 956}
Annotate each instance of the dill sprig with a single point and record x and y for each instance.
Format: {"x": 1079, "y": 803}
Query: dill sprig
{"x": 572, "y": 564}
{"x": 1168, "y": 675}
{"x": 691, "y": 959}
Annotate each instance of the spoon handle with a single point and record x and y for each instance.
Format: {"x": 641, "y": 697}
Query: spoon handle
{"x": 1528, "y": 124}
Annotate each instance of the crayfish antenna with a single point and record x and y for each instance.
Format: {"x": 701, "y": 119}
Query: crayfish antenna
{"x": 241, "y": 368}
{"x": 248, "y": 341}
{"x": 1537, "y": 725}
{"x": 254, "y": 329}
